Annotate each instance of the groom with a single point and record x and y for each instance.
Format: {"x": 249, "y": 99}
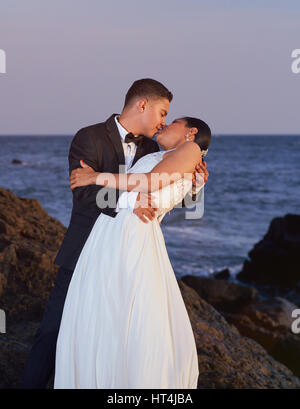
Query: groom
{"x": 120, "y": 140}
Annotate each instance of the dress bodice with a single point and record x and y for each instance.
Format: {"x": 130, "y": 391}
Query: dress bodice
{"x": 170, "y": 195}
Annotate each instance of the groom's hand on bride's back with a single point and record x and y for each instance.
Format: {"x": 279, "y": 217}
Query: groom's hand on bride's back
{"x": 145, "y": 207}
{"x": 200, "y": 168}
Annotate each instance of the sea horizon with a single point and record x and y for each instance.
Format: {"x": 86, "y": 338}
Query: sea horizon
{"x": 213, "y": 135}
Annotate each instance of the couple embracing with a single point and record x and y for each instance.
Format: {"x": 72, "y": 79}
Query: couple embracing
{"x": 116, "y": 317}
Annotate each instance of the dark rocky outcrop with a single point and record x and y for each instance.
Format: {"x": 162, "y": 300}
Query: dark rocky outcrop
{"x": 227, "y": 359}
{"x": 29, "y": 240}
{"x": 17, "y": 161}
{"x": 275, "y": 260}
{"x": 223, "y": 274}
{"x": 267, "y": 320}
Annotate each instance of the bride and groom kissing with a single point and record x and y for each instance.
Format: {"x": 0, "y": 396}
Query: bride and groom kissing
{"x": 116, "y": 317}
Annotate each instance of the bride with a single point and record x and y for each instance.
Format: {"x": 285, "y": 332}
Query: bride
{"x": 124, "y": 323}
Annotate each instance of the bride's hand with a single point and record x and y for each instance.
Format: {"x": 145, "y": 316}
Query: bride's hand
{"x": 83, "y": 176}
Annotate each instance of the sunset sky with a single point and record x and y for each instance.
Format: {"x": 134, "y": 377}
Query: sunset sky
{"x": 70, "y": 62}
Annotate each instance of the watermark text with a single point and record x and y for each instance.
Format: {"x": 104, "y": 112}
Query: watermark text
{"x": 2, "y": 322}
{"x": 296, "y": 62}
{"x": 296, "y": 324}
{"x": 167, "y": 191}
{"x": 2, "y": 61}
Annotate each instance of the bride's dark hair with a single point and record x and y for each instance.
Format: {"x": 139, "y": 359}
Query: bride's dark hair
{"x": 203, "y": 136}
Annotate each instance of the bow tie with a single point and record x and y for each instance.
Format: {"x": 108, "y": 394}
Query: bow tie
{"x": 131, "y": 138}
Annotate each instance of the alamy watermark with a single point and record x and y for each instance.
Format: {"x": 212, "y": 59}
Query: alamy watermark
{"x": 174, "y": 188}
{"x": 2, "y": 322}
{"x": 2, "y": 61}
{"x": 296, "y": 324}
{"x": 296, "y": 62}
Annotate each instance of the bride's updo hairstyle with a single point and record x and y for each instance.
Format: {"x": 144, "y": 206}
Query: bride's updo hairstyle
{"x": 203, "y": 136}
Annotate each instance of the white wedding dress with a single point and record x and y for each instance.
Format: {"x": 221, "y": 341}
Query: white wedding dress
{"x": 124, "y": 323}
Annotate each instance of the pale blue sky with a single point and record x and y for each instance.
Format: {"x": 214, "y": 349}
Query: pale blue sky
{"x": 70, "y": 62}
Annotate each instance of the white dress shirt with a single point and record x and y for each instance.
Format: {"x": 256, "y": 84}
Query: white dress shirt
{"x": 126, "y": 199}
{"x": 129, "y": 148}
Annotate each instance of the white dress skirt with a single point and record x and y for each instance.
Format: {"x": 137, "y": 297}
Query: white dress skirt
{"x": 124, "y": 323}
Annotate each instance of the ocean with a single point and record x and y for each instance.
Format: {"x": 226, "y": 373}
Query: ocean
{"x": 253, "y": 178}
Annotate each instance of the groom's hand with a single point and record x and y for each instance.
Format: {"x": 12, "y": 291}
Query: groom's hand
{"x": 145, "y": 207}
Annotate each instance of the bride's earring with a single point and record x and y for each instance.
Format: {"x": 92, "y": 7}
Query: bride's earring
{"x": 187, "y": 136}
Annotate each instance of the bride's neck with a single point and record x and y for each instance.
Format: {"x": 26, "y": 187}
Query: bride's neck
{"x": 175, "y": 147}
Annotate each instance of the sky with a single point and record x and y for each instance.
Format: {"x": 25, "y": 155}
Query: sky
{"x": 69, "y": 63}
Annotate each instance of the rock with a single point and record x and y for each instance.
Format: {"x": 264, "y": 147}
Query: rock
{"x": 266, "y": 320}
{"x": 269, "y": 322}
{"x": 223, "y": 295}
{"x": 29, "y": 241}
{"x": 228, "y": 360}
{"x": 292, "y": 295}
{"x": 14, "y": 348}
{"x": 275, "y": 260}
{"x": 223, "y": 274}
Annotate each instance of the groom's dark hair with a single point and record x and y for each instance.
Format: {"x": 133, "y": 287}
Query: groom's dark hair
{"x": 147, "y": 88}
{"x": 203, "y": 136}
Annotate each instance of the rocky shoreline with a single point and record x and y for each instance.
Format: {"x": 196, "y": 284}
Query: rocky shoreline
{"x": 242, "y": 330}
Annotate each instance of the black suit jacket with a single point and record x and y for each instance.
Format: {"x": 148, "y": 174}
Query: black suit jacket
{"x": 100, "y": 147}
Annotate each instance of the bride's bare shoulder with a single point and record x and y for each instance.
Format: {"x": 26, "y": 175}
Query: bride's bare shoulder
{"x": 183, "y": 159}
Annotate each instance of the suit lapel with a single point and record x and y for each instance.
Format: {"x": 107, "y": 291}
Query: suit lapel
{"x": 117, "y": 144}
{"x": 115, "y": 138}
{"x": 139, "y": 153}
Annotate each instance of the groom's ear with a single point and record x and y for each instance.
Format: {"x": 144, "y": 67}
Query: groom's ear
{"x": 142, "y": 104}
